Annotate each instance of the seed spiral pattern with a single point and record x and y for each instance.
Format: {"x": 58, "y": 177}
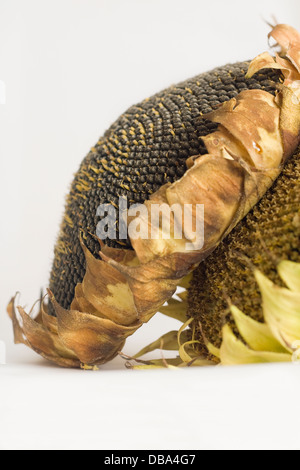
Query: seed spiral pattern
{"x": 145, "y": 148}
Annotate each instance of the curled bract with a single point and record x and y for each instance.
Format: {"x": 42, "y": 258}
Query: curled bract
{"x": 124, "y": 289}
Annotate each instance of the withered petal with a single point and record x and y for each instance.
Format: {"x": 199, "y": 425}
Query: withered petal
{"x": 285, "y": 36}
{"x": 94, "y": 340}
{"x": 39, "y": 339}
{"x": 106, "y": 289}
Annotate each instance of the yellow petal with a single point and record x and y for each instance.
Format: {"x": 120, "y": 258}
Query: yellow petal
{"x": 213, "y": 350}
{"x": 234, "y": 352}
{"x": 281, "y": 310}
{"x": 182, "y": 343}
{"x": 183, "y": 296}
{"x": 185, "y": 283}
{"x": 257, "y": 335}
{"x": 290, "y": 274}
{"x": 172, "y": 363}
{"x": 183, "y": 351}
{"x": 167, "y": 342}
{"x": 175, "y": 309}
{"x": 186, "y": 351}
{"x": 198, "y": 362}
{"x": 147, "y": 367}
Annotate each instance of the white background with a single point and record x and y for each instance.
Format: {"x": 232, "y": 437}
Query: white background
{"x": 70, "y": 67}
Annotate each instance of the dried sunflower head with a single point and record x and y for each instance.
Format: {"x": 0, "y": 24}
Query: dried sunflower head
{"x": 252, "y": 135}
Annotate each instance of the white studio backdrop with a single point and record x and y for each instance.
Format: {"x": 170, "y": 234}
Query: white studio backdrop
{"x": 68, "y": 69}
